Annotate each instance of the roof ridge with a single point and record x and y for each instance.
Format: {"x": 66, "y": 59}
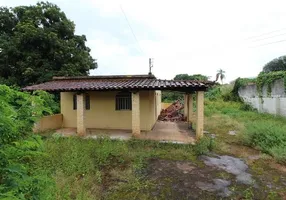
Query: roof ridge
{"x": 136, "y": 76}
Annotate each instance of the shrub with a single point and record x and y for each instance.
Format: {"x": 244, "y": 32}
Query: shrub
{"x": 246, "y": 107}
{"x": 19, "y": 148}
{"x": 204, "y": 145}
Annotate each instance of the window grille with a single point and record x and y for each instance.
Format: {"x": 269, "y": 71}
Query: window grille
{"x": 123, "y": 101}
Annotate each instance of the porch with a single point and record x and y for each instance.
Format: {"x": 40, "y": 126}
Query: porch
{"x": 176, "y": 132}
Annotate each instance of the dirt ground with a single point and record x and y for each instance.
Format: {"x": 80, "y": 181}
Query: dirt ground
{"x": 225, "y": 177}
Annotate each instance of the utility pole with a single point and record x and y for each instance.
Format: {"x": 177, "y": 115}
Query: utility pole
{"x": 151, "y": 61}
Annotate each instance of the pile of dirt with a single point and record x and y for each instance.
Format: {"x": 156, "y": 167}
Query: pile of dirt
{"x": 173, "y": 112}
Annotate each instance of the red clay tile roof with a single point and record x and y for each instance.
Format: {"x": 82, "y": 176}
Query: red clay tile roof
{"x": 101, "y": 83}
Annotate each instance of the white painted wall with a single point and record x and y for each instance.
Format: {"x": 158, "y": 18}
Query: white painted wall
{"x": 275, "y": 103}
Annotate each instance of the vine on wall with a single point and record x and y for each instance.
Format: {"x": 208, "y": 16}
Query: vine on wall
{"x": 266, "y": 79}
{"x": 263, "y": 79}
{"x": 241, "y": 82}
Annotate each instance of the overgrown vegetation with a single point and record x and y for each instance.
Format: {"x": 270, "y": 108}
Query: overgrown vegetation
{"x": 239, "y": 83}
{"x": 20, "y": 178}
{"x": 259, "y": 130}
{"x": 109, "y": 169}
{"x": 268, "y": 136}
{"x": 267, "y": 79}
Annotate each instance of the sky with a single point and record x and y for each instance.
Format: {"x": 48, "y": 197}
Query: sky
{"x": 183, "y": 36}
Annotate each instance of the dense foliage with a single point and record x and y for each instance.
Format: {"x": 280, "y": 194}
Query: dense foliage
{"x": 19, "y": 178}
{"x": 171, "y": 96}
{"x": 278, "y": 64}
{"x": 199, "y": 77}
{"x": 38, "y": 42}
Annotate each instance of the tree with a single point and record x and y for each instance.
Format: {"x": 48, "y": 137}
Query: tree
{"x": 277, "y": 64}
{"x": 38, "y": 42}
{"x": 199, "y": 77}
{"x": 220, "y": 74}
{"x": 171, "y": 96}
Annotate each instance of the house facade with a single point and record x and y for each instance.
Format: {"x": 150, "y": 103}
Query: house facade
{"x": 111, "y": 109}
{"x": 121, "y": 102}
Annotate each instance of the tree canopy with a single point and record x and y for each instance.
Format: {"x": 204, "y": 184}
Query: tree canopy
{"x": 277, "y": 64}
{"x": 199, "y": 77}
{"x": 38, "y": 42}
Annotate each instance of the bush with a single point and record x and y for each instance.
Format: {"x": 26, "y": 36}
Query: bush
{"x": 19, "y": 147}
{"x": 246, "y": 107}
{"x": 204, "y": 145}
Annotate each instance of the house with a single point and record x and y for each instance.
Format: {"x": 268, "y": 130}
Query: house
{"x": 120, "y": 102}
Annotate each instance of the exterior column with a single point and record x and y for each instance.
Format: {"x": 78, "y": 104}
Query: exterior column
{"x": 191, "y": 108}
{"x": 186, "y": 109}
{"x": 135, "y": 114}
{"x": 81, "y": 130}
{"x": 200, "y": 114}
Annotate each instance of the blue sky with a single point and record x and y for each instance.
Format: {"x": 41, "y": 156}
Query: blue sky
{"x": 182, "y": 36}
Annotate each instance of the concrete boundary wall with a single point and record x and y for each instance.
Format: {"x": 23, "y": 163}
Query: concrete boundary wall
{"x": 49, "y": 123}
{"x": 274, "y": 103}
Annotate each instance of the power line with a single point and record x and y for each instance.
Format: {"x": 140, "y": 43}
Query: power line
{"x": 269, "y": 43}
{"x": 268, "y": 37}
{"x": 267, "y": 33}
{"x": 132, "y": 30}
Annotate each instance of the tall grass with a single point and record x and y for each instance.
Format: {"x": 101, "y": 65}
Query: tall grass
{"x": 269, "y": 136}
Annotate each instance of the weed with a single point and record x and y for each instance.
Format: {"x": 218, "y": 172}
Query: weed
{"x": 204, "y": 145}
{"x": 248, "y": 194}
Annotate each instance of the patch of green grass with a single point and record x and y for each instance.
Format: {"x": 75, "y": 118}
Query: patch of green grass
{"x": 269, "y": 136}
{"x": 105, "y": 168}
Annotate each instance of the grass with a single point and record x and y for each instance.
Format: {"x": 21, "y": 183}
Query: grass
{"x": 259, "y": 130}
{"x": 105, "y": 168}
{"x": 112, "y": 169}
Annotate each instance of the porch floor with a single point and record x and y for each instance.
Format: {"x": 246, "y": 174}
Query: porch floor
{"x": 176, "y": 132}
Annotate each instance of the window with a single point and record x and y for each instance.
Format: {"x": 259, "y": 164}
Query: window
{"x": 74, "y": 102}
{"x": 87, "y": 102}
{"x": 123, "y": 101}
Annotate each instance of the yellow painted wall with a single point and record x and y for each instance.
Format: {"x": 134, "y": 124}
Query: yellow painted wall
{"x": 102, "y": 113}
{"x": 158, "y": 103}
{"x": 48, "y": 123}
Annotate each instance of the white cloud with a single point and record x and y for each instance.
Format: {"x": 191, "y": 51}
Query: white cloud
{"x": 183, "y": 36}
{"x": 203, "y": 36}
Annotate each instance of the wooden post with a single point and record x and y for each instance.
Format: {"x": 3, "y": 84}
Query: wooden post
{"x": 135, "y": 114}
{"x": 81, "y": 130}
{"x": 200, "y": 114}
